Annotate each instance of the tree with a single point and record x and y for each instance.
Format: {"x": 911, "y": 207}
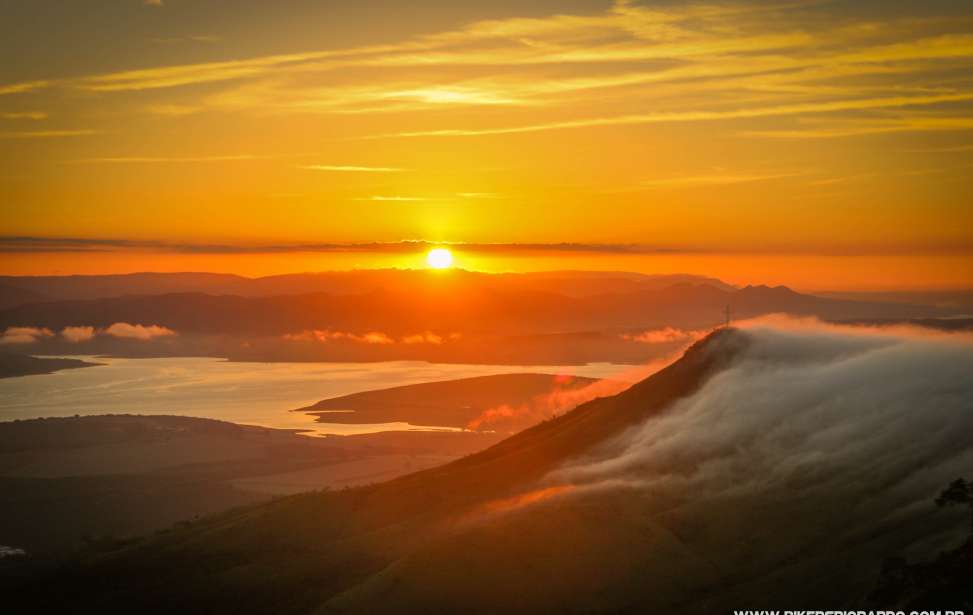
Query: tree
{"x": 959, "y": 493}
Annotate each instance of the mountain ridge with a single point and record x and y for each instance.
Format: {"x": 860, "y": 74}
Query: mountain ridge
{"x": 16, "y": 290}
{"x": 446, "y": 309}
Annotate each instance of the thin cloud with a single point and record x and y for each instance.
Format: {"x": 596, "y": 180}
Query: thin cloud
{"x": 24, "y": 335}
{"x": 24, "y": 115}
{"x": 940, "y": 150}
{"x": 624, "y": 34}
{"x": 203, "y": 38}
{"x": 327, "y": 335}
{"x": 709, "y": 57}
{"x": 27, "y": 245}
{"x": 168, "y": 159}
{"x": 711, "y": 180}
{"x": 866, "y": 126}
{"x": 138, "y": 332}
{"x": 190, "y": 74}
{"x": 450, "y": 96}
{"x": 370, "y": 337}
{"x": 351, "y": 168}
{"x": 479, "y": 195}
{"x": 666, "y": 335}
{"x": 843, "y": 179}
{"x": 169, "y": 110}
{"x": 76, "y": 335}
{"x": 503, "y": 43}
{"x": 694, "y": 116}
{"x": 46, "y": 134}
{"x": 23, "y": 87}
{"x": 380, "y": 197}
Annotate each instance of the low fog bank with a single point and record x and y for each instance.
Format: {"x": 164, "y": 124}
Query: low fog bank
{"x": 819, "y": 441}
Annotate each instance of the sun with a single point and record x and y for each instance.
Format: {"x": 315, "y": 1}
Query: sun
{"x": 439, "y": 258}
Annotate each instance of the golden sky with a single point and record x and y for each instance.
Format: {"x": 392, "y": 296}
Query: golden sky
{"x": 821, "y": 144}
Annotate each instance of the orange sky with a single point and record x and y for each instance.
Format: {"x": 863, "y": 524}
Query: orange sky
{"x": 818, "y": 144}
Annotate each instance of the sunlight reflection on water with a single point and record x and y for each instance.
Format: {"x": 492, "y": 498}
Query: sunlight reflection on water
{"x": 251, "y": 393}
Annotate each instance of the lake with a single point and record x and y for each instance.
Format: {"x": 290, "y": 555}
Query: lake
{"x": 249, "y": 393}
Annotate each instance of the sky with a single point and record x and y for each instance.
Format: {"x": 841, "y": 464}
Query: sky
{"x": 817, "y": 144}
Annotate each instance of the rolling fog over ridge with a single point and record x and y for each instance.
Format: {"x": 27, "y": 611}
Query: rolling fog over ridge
{"x": 804, "y": 404}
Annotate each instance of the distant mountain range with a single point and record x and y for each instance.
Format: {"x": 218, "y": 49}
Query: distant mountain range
{"x": 422, "y": 301}
{"x": 552, "y": 318}
{"x": 18, "y": 290}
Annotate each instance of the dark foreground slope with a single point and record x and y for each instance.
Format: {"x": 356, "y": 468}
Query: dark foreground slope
{"x": 65, "y": 481}
{"x": 944, "y": 583}
{"x": 297, "y": 554}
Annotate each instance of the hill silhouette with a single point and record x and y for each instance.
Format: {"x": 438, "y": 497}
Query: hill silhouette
{"x": 445, "y": 305}
{"x": 12, "y": 365}
{"x": 125, "y": 475}
{"x": 456, "y": 316}
{"x": 18, "y": 290}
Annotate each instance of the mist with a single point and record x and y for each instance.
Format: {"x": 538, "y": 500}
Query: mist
{"x": 814, "y": 432}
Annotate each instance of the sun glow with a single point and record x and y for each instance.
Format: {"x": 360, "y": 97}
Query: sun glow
{"x": 440, "y": 258}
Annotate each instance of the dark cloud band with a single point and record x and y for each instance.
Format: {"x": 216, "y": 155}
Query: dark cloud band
{"x": 30, "y": 244}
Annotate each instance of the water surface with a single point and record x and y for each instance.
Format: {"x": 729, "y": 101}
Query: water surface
{"x": 250, "y": 393}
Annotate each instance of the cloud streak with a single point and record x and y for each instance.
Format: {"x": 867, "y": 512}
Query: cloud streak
{"x": 26, "y": 244}
{"x": 763, "y": 50}
{"x": 30, "y": 244}
{"x": 370, "y": 337}
{"x": 351, "y": 168}
{"x": 326, "y": 335}
{"x": 47, "y": 134}
{"x": 666, "y": 335}
{"x": 24, "y": 115}
{"x": 715, "y": 179}
{"x": 143, "y": 333}
{"x": 23, "y": 87}
{"x": 694, "y": 116}
{"x": 171, "y": 159}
